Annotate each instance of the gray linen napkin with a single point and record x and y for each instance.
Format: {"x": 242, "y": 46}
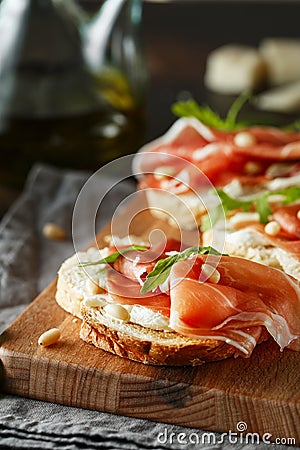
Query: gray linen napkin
{"x": 27, "y": 263}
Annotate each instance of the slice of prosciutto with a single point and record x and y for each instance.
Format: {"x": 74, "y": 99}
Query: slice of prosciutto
{"x": 127, "y": 274}
{"x": 287, "y": 217}
{"x": 220, "y": 155}
{"x": 248, "y": 296}
{"x": 248, "y": 300}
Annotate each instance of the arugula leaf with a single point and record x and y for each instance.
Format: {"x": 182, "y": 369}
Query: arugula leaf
{"x": 205, "y": 114}
{"x": 113, "y": 257}
{"x": 261, "y": 204}
{"x": 230, "y": 203}
{"x": 294, "y": 126}
{"x": 235, "y": 109}
{"x": 227, "y": 204}
{"x": 209, "y": 220}
{"x": 291, "y": 194}
{"x": 263, "y": 208}
{"x": 162, "y": 268}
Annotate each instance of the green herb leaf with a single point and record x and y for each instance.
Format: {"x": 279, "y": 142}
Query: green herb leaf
{"x": 208, "y": 221}
{"x": 263, "y": 208}
{"x": 261, "y": 204}
{"x": 294, "y": 126}
{"x": 205, "y": 114}
{"x": 230, "y": 203}
{"x": 113, "y": 257}
{"x": 291, "y": 194}
{"x": 162, "y": 268}
{"x": 235, "y": 109}
{"x": 227, "y": 204}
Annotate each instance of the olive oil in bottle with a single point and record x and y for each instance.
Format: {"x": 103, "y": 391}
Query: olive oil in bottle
{"x": 71, "y": 93}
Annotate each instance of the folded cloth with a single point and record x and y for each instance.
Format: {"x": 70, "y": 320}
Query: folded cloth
{"x": 28, "y": 263}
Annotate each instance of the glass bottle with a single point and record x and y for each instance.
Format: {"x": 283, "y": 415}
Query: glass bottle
{"x": 71, "y": 89}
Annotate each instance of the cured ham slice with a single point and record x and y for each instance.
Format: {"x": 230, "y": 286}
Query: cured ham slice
{"x": 248, "y": 295}
{"x": 126, "y": 276}
{"x": 287, "y": 218}
{"x": 134, "y": 264}
{"x": 247, "y": 299}
{"x": 191, "y": 143}
{"x": 127, "y": 292}
{"x": 178, "y": 170}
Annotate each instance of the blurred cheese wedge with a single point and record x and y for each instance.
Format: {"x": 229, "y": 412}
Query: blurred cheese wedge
{"x": 232, "y": 69}
{"x": 282, "y": 58}
{"x": 284, "y": 99}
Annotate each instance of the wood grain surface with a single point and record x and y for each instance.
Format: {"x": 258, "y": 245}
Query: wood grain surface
{"x": 262, "y": 391}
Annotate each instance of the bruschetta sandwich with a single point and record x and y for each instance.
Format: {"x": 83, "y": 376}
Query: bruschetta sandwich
{"x": 201, "y": 151}
{"x": 254, "y": 171}
{"x": 171, "y": 304}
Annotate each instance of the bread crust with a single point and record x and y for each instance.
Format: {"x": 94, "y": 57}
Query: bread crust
{"x": 152, "y": 352}
{"x": 149, "y": 346}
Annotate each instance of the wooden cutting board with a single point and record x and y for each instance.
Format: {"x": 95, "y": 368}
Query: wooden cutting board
{"x": 263, "y": 391}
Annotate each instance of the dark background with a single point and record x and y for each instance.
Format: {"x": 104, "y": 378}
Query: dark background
{"x": 178, "y": 36}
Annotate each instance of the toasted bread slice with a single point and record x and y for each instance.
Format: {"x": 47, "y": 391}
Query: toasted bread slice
{"x": 145, "y": 337}
{"x": 138, "y": 333}
{"x": 145, "y": 345}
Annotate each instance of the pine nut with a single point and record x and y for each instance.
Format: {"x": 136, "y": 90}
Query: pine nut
{"x": 252, "y": 168}
{"x": 272, "y": 228}
{"x": 211, "y": 273}
{"x": 117, "y": 312}
{"x": 279, "y": 170}
{"x": 49, "y": 337}
{"x": 54, "y": 232}
{"x": 298, "y": 215}
{"x": 244, "y": 139}
{"x": 215, "y": 278}
{"x": 94, "y": 302}
{"x": 241, "y": 218}
{"x": 276, "y": 198}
